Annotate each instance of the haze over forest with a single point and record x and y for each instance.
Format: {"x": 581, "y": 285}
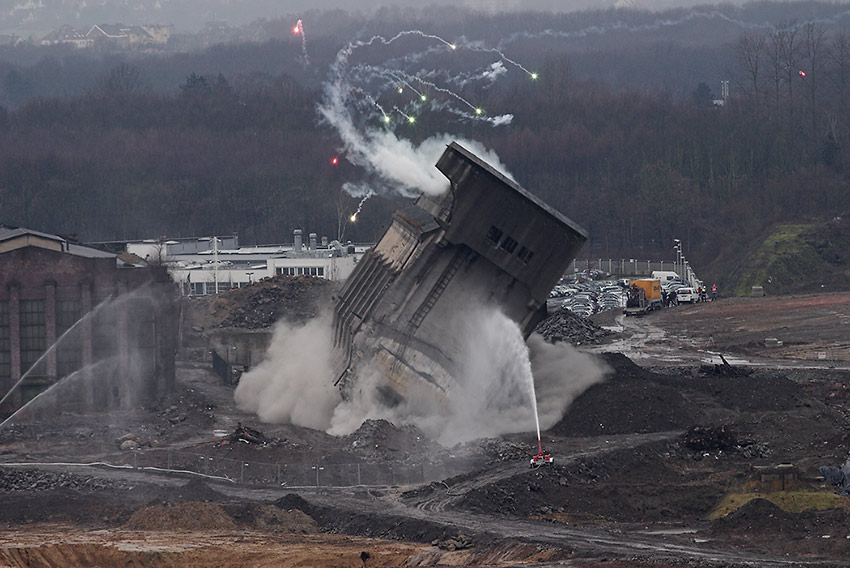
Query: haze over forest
{"x": 610, "y": 116}
{"x": 28, "y": 18}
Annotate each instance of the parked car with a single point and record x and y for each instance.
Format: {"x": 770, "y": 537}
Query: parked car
{"x": 687, "y": 295}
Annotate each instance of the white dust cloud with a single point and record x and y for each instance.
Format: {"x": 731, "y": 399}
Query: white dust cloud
{"x": 293, "y": 384}
{"x": 491, "y": 397}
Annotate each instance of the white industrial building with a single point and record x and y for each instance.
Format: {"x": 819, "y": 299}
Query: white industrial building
{"x": 208, "y": 265}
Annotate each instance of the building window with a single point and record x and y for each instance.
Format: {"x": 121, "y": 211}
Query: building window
{"x": 494, "y": 235}
{"x": 321, "y": 271}
{"x": 33, "y": 336}
{"x": 197, "y": 288}
{"x": 69, "y": 356}
{"x": 5, "y": 351}
{"x": 508, "y": 245}
{"x": 278, "y": 270}
{"x": 524, "y": 255}
{"x": 105, "y": 333}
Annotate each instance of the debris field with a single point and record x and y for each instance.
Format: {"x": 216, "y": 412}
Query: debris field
{"x": 680, "y": 457}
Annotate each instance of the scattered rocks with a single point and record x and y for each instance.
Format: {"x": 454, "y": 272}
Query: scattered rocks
{"x": 710, "y": 438}
{"x": 129, "y": 442}
{"x": 458, "y": 542}
{"x": 564, "y": 325}
{"x": 38, "y": 480}
{"x": 261, "y": 304}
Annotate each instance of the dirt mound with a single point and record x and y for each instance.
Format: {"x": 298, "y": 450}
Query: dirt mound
{"x": 381, "y": 440}
{"x": 181, "y": 516}
{"x": 751, "y": 393}
{"x": 269, "y": 518}
{"x": 631, "y": 400}
{"x": 761, "y": 525}
{"x": 261, "y": 304}
{"x": 564, "y": 325}
{"x": 756, "y": 515}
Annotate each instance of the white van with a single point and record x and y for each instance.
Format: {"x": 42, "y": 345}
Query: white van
{"x": 664, "y": 275}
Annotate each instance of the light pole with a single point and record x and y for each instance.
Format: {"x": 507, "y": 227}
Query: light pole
{"x": 677, "y": 244}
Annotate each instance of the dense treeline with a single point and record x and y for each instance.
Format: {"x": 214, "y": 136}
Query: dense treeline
{"x": 246, "y": 151}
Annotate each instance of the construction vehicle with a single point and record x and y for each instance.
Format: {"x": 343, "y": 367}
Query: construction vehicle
{"x": 643, "y": 296}
{"x": 542, "y": 457}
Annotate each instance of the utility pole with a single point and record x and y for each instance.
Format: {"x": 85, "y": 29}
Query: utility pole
{"x": 215, "y": 264}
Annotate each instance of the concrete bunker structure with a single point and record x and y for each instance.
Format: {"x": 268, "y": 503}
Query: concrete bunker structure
{"x": 485, "y": 241}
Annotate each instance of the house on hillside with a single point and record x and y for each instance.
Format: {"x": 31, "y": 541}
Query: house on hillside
{"x": 73, "y": 311}
{"x": 119, "y": 35}
{"x": 67, "y": 35}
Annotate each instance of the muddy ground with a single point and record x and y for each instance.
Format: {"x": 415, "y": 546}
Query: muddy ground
{"x": 702, "y": 448}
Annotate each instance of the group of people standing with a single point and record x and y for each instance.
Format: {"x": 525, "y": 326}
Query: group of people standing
{"x": 670, "y": 298}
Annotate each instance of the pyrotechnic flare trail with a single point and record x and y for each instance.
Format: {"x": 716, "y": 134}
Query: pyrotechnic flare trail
{"x": 360, "y": 206}
{"x": 299, "y": 29}
{"x": 477, "y": 47}
{"x": 394, "y": 164}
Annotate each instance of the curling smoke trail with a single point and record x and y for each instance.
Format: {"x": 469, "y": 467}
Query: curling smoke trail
{"x": 397, "y": 165}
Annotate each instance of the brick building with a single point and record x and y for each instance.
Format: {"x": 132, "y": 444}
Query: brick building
{"x": 73, "y": 312}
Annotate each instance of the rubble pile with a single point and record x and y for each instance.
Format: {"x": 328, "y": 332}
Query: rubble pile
{"x": 247, "y": 435}
{"x": 497, "y": 450}
{"x": 261, "y": 304}
{"x": 380, "y": 440}
{"x": 631, "y": 400}
{"x": 564, "y": 325}
{"x": 272, "y": 519}
{"x": 710, "y": 438}
{"x": 37, "y": 480}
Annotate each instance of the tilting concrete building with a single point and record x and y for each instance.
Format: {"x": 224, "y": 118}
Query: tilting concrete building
{"x": 485, "y": 241}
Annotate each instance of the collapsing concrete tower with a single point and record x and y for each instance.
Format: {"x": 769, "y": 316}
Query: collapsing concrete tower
{"x": 485, "y": 241}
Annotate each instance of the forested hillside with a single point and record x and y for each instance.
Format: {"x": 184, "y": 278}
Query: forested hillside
{"x": 614, "y": 126}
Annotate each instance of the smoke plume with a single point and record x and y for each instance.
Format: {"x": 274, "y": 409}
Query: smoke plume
{"x": 293, "y": 384}
{"x": 491, "y": 396}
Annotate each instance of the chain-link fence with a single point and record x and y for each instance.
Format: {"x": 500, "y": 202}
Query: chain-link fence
{"x": 289, "y": 474}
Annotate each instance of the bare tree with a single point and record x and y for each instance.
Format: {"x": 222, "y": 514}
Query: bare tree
{"x": 124, "y": 81}
{"x": 813, "y": 57}
{"x": 839, "y": 54}
{"x": 556, "y": 78}
{"x": 750, "y": 52}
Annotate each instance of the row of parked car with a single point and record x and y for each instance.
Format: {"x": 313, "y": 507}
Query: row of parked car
{"x": 585, "y": 296}
{"x": 588, "y": 297}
